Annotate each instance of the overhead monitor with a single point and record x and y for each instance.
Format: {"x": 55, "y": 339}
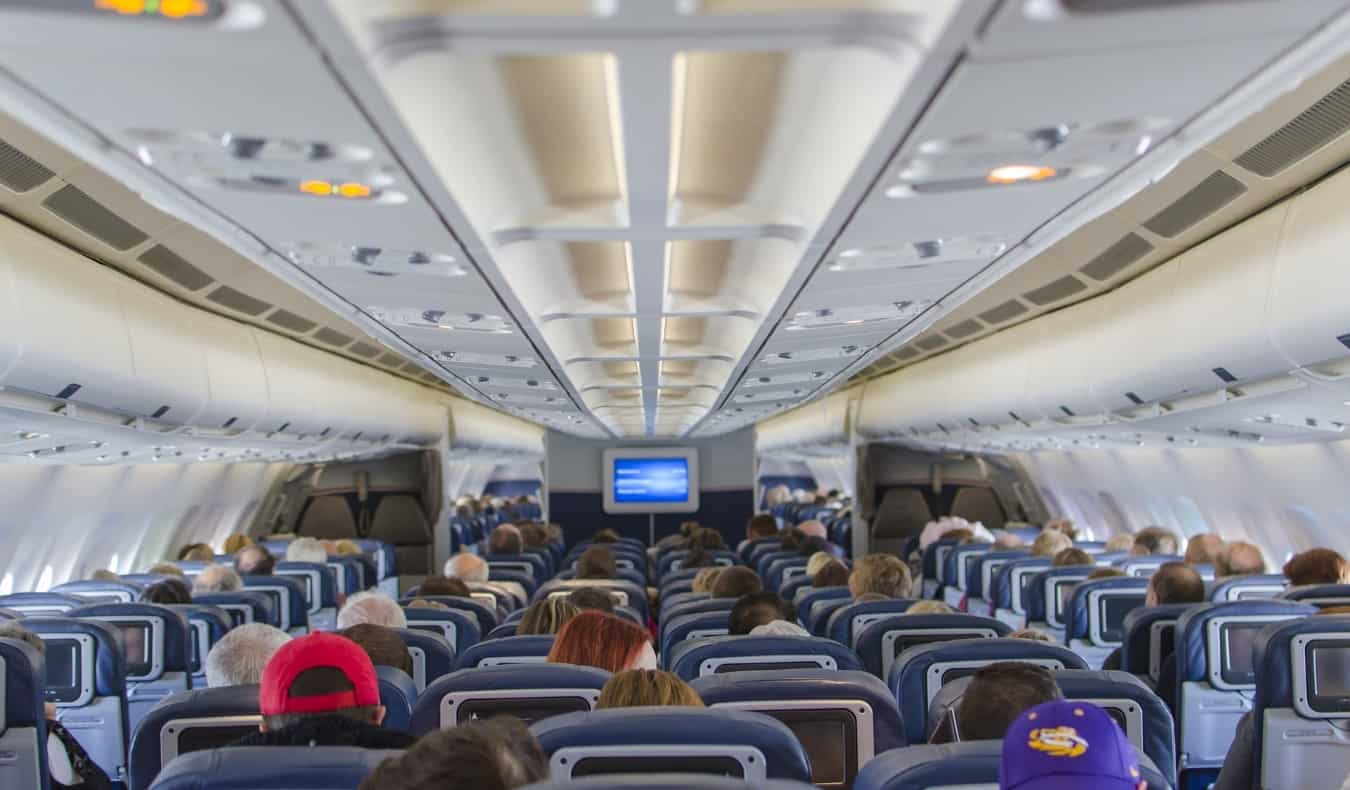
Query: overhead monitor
{"x": 651, "y": 480}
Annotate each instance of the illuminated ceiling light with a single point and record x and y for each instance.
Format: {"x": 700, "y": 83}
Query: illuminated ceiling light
{"x": 352, "y": 189}
{"x": 169, "y": 9}
{"x": 315, "y": 187}
{"x": 479, "y": 323}
{"x": 828, "y": 317}
{"x": 918, "y": 254}
{"x": 1016, "y": 174}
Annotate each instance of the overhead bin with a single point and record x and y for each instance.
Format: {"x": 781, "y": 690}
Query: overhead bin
{"x": 478, "y": 430}
{"x": 820, "y": 427}
{"x": 1308, "y": 317}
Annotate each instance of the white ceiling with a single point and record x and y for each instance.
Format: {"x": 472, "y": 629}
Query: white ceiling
{"x": 643, "y": 217}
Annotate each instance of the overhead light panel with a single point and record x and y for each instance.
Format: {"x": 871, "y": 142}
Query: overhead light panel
{"x": 812, "y": 354}
{"x": 836, "y": 317}
{"x": 1014, "y": 174}
{"x": 170, "y": 10}
{"x": 381, "y": 261}
{"x": 918, "y": 254}
{"x": 482, "y": 323}
{"x": 479, "y": 359}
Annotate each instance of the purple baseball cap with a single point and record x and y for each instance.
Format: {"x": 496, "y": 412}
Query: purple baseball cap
{"x": 1067, "y": 745}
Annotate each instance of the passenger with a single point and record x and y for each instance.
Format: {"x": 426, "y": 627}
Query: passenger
{"x": 930, "y": 607}
{"x": 811, "y": 546}
{"x": 1238, "y": 559}
{"x": 68, "y": 764}
{"x": 371, "y": 606}
{"x": 1155, "y": 540}
{"x": 1065, "y": 744}
{"x": 505, "y": 539}
{"x": 346, "y": 548}
{"x": 1049, "y": 543}
{"x": 172, "y": 590}
{"x": 759, "y": 527}
{"x": 254, "y": 560}
{"x": 597, "y": 562}
{"x": 383, "y": 645}
{"x": 217, "y": 578}
{"x": 1063, "y": 525}
{"x": 236, "y": 542}
{"x": 647, "y": 688}
{"x": 1317, "y": 566}
{"x": 1032, "y": 635}
{"x": 424, "y": 603}
{"x": 812, "y": 528}
{"x": 196, "y": 552}
{"x": 758, "y": 609}
{"x": 698, "y": 557}
{"x": 321, "y": 690}
{"x": 677, "y": 540}
{"x": 834, "y": 574}
{"x": 998, "y": 693}
{"x": 306, "y": 550}
{"x": 499, "y": 754}
{"x": 167, "y": 569}
{"x": 1123, "y": 541}
{"x": 817, "y": 561}
{"x": 884, "y": 574}
{"x": 605, "y": 536}
{"x": 440, "y": 585}
{"x": 592, "y": 598}
{"x": 704, "y": 579}
{"x": 1070, "y": 556}
{"x": 1106, "y": 573}
{"x": 1204, "y": 549}
{"x": 105, "y": 575}
{"x": 779, "y": 628}
{"x": 533, "y": 535}
{"x": 239, "y": 657}
{"x": 1174, "y": 582}
{"x": 706, "y": 538}
{"x": 736, "y": 582}
{"x": 547, "y": 616}
{"x": 467, "y": 567}
{"x": 1007, "y": 541}
{"x": 595, "y": 639}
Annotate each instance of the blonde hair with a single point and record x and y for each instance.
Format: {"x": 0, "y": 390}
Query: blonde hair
{"x": 167, "y": 569}
{"x": 705, "y": 579}
{"x": 1032, "y": 635}
{"x": 884, "y": 574}
{"x": 930, "y": 607}
{"x": 817, "y": 561}
{"x": 423, "y": 603}
{"x": 637, "y": 688}
{"x": 1050, "y": 543}
{"x": 345, "y": 548}
{"x": 546, "y": 616}
{"x": 236, "y": 542}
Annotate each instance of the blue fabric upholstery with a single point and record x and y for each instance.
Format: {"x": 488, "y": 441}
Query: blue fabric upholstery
{"x": 871, "y": 644}
{"x": 348, "y": 574}
{"x": 1077, "y": 617}
{"x": 177, "y": 640}
{"x": 397, "y": 695}
{"x": 217, "y": 622}
{"x": 23, "y": 707}
{"x": 788, "y": 590}
{"x": 931, "y": 571}
{"x": 110, "y": 668}
{"x": 746, "y": 551}
{"x": 763, "y": 549}
{"x": 954, "y": 764}
{"x": 146, "y": 756}
{"x": 504, "y": 630}
{"x": 636, "y": 728}
{"x": 1003, "y": 591}
{"x": 297, "y": 614}
{"x": 778, "y": 570}
{"x": 538, "y": 565}
{"x": 678, "y": 630}
{"x": 667, "y": 782}
{"x": 888, "y": 732}
{"x": 1134, "y": 651}
{"x": 467, "y": 631}
{"x": 677, "y": 557}
{"x": 485, "y": 616}
{"x": 637, "y": 595}
{"x": 1320, "y": 595}
{"x": 262, "y": 605}
{"x": 1191, "y": 653}
{"x": 438, "y": 656}
{"x": 669, "y": 602}
{"x": 975, "y": 576}
{"x": 1034, "y": 598}
{"x": 1144, "y": 566}
{"x": 819, "y": 594}
{"x": 908, "y": 679}
{"x": 1233, "y": 586}
{"x": 515, "y": 681}
{"x": 288, "y": 767}
{"x": 954, "y": 566}
{"x": 525, "y": 580}
{"x": 386, "y": 561}
{"x": 97, "y": 590}
{"x": 840, "y": 626}
{"x": 1159, "y": 735}
{"x": 327, "y": 581}
{"x": 698, "y": 607}
{"x": 42, "y": 604}
{"x": 686, "y": 659}
{"x": 820, "y": 611}
{"x": 511, "y": 649}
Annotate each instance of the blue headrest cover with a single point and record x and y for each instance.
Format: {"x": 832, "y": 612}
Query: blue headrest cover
{"x": 841, "y": 620}
{"x": 299, "y": 767}
{"x": 440, "y": 655}
{"x": 467, "y": 631}
{"x": 870, "y": 641}
{"x": 637, "y": 595}
{"x": 783, "y": 755}
{"x": 511, "y": 575}
{"x": 908, "y": 680}
{"x": 110, "y": 667}
{"x": 95, "y": 587}
{"x": 1192, "y": 663}
{"x": 1159, "y": 737}
{"x": 144, "y": 754}
{"x": 968, "y": 763}
{"x": 513, "y": 677}
{"x": 1297, "y": 593}
{"x": 930, "y": 568}
{"x": 951, "y": 566}
{"x": 1003, "y": 580}
{"x": 506, "y": 646}
{"x": 24, "y": 681}
{"x": 1076, "y": 615}
{"x": 217, "y": 620}
{"x": 299, "y": 608}
{"x": 699, "y": 606}
{"x": 1134, "y": 652}
{"x": 1222, "y": 586}
{"x": 327, "y": 581}
{"x": 675, "y": 631}
{"x": 264, "y": 610}
{"x": 177, "y": 641}
{"x": 397, "y": 695}
{"x": 15, "y": 600}
{"x": 1034, "y": 598}
{"x": 685, "y": 657}
{"x": 811, "y": 684}
{"x": 672, "y": 600}
{"x": 818, "y": 594}
{"x": 975, "y": 578}
{"x": 388, "y": 568}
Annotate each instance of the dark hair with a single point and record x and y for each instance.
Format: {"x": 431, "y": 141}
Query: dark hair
{"x": 735, "y": 582}
{"x": 597, "y": 562}
{"x": 505, "y": 541}
{"x": 1316, "y": 566}
{"x": 834, "y": 574}
{"x": 168, "y": 591}
{"x": 758, "y": 609}
{"x": 706, "y": 538}
{"x": 605, "y": 536}
{"x": 812, "y": 545}
{"x": 384, "y": 646}
{"x": 998, "y": 694}
{"x": 442, "y": 585}
{"x": 1177, "y": 582}
{"x": 1156, "y": 540}
{"x": 792, "y": 539}
{"x": 1071, "y": 557}
{"x": 263, "y": 566}
{"x": 533, "y": 534}
{"x": 761, "y": 525}
{"x": 698, "y": 557}
{"x": 319, "y": 682}
{"x": 499, "y": 754}
{"x": 592, "y": 598}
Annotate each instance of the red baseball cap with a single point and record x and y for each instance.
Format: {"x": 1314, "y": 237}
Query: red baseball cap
{"x": 310, "y": 652}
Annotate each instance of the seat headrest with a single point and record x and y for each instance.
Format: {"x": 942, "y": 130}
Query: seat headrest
{"x": 110, "y": 667}
{"x": 637, "y": 595}
{"x": 953, "y": 564}
{"x": 1078, "y": 614}
{"x": 519, "y": 577}
{"x": 818, "y": 594}
{"x": 383, "y": 555}
{"x": 511, "y": 649}
{"x": 666, "y": 782}
{"x": 102, "y": 591}
{"x": 699, "y": 606}
{"x": 1003, "y": 589}
{"x": 262, "y": 606}
{"x": 327, "y": 592}
{"x": 36, "y": 604}
{"x": 1144, "y": 566}
{"x": 1034, "y": 597}
{"x": 515, "y": 679}
{"x": 1134, "y": 651}
{"x": 635, "y": 728}
{"x": 298, "y": 608}
{"x": 299, "y": 767}
{"x": 1315, "y": 594}
{"x": 810, "y": 684}
{"x": 846, "y": 623}
{"x": 697, "y": 657}
{"x": 930, "y": 556}
{"x": 672, "y": 600}
{"x": 397, "y": 695}
{"x": 1158, "y": 740}
{"x": 177, "y": 638}
{"x": 1192, "y": 630}
{"x": 23, "y": 678}
{"x": 918, "y": 672}
{"x": 973, "y": 763}
{"x": 217, "y": 619}
{"x": 975, "y": 579}
{"x": 681, "y": 628}
{"x": 484, "y": 615}
{"x": 1256, "y": 585}
{"x": 879, "y": 640}
{"x": 211, "y": 703}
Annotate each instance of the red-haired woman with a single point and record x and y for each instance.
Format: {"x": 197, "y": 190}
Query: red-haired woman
{"x": 596, "y": 639}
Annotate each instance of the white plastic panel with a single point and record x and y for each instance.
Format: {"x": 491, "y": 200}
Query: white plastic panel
{"x": 476, "y": 428}
{"x": 1138, "y": 316}
{"x": 820, "y": 424}
{"x": 1307, "y": 300}
{"x": 236, "y": 382}
{"x": 168, "y": 363}
{"x": 297, "y": 393}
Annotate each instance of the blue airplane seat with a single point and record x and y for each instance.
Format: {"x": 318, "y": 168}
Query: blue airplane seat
{"x": 432, "y": 656}
{"x": 781, "y": 570}
{"x": 320, "y": 591}
{"x": 691, "y": 626}
{"x": 1094, "y": 620}
{"x": 459, "y": 628}
{"x": 157, "y": 648}
{"x": 1144, "y": 566}
{"x": 281, "y": 767}
{"x": 530, "y": 692}
{"x": 48, "y": 604}
{"x": 99, "y": 591}
{"x": 1319, "y": 595}
{"x": 625, "y": 592}
{"x": 1148, "y": 637}
{"x": 1010, "y": 582}
{"x": 23, "y": 721}
{"x": 525, "y": 580}
{"x": 797, "y": 585}
{"x": 882, "y": 643}
{"x": 244, "y": 606}
{"x": 532, "y": 564}
{"x": 972, "y": 764}
{"x": 697, "y": 606}
{"x": 485, "y": 616}
{"x": 507, "y": 650}
{"x": 1045, "y": 598}
{"x": 1250, "y": 587}
{"x": 980, "y": 577}
{"x": 813, "y": 594}
{"x": 201, "y": 719}
{"x": 292, "y": 608}
{"x": 398, "y": 694}
{"x": 697, "y": 658}
{"x": 846, "y": 623}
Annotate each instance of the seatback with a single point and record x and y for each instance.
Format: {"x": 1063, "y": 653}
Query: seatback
{"x": 1149, "y": 638}
{"x": 814, "y": 594}
{"x": 243, "y": 607}
{"x": 328, "y": 518}
{"x": 320, "y": 591}
{"x": 206, "y": 626}
{"x": 1319, "y": 595}
{"x": 973, "y": 765}
{"x": 507, "y": 650}
{"x": 192, "y": 721}
{"x": 735, "y": 654}
{"x": 35, "y": 604}
{"x": 530, "y": 692}
{"x": 934, "y": 560}
{"x": 348, "y": 574}
{"x": 846, "y": 623}
{"x": 459, "y": 628}
{"x": 669, "y": 602}
{"x": 1095, "y": 618}
{"x": 23, "y": 724}
{"x": 432, "y": 656}
{"x": 674, "y": 560}
{"x": 532, "y": 564}
{"x": 398, "y": 693}
{"x": 690, "y": 740}
{"x": 691, "y": 626}
{"x": 821, "y": 610}
{"x": 956, "y": 568}
{"x": 99, "y": 591}
{"x": 525, "y": 580}
{"x": 797, "y": 585}
{"x": 289, "y": 767}
{"x": 1215, "y": 682}
{"x": 1047, "y": 596}
{"x": 698, "y": 606}
{"x": 625, "y": 593}
{"x": 882, "y": 643}
{"x": 1144, "y": 566}
{"x": 841, "y": 718}
{"x": 1010, "y": 584}
{"x": 484, "y": 615}
{"x": 400, "y": 522}
{"x": 86, "y": 678}
{"x": 289, "y": 595}
{"x": 156, "y": 645}
{"x": 782, "y": 570}
{"x": 1254, "y": 586}
{"x": 983, "y": 570}
{"x": 922, "y": 671}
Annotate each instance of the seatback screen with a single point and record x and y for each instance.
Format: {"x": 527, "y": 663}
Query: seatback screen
{"x": 1238, "y": 641}
{"x": 196, "y": 739}
{"x": 826, "y": 743}
{"x": 642, "y": 480}
{"x": 1329, "y": 681}
{"x": 136, "y": 647}
{"x": 63, "y": 670}
{"x": 1112, "y": 611}
{"x": 904, "y": 643}
{"x": 760, "y": 666}
{"x": 527, "y": 710}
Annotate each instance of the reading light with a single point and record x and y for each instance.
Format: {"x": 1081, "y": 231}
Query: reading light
{"x": 354, "y": 190}
{"x": 316, "y": 188}
{"x": 170, "y": 9}
{"x": 1016, "y": 174}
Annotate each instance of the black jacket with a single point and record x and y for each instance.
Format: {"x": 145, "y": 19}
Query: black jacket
{"x": 330, "y": 730}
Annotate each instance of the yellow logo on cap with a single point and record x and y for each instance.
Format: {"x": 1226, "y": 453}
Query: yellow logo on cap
{"x": 1057, "y": 741}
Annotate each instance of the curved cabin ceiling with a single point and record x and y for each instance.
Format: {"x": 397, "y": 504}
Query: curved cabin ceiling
{"x": 641, "y": 218}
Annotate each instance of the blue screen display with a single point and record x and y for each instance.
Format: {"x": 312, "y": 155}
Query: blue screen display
{"x": 651, "y": 480}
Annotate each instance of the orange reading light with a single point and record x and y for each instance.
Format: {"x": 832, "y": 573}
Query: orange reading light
{"x": 1015, "y": 174}
{"x": 316, "y": 187}
{"x": 171, "y": 9}
{"x": 181, "y": 9}
{"x": 354, "y": 190}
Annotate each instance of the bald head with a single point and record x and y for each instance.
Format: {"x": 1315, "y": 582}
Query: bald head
{"x": 1239, "y": 559}
{"x": 812, "y": 529}
{"x": 467, "y": 568}
{"x": 1175, "y": 582}
{"x": 1204, "y": 549}
{"x": 1007, "y": 540}
{"x": 217, "y": 578}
